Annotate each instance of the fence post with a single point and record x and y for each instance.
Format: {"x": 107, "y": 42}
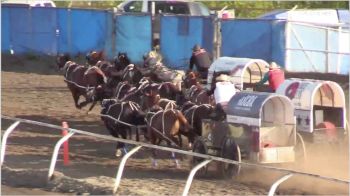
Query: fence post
{"x": 121, "y": 167}
{"x": 4, "y": 140}
{"x": 278, "y": 182}
{"x": 55, "y": 153}
{"x": 65, "y": 144}
{"x": 192, "y": 173}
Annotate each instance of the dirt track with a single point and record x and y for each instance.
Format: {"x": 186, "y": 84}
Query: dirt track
{"x": 93, "y": 165}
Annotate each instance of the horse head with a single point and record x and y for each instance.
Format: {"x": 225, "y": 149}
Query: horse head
{"x": 61, "y": 60}
{"x": 94, "y": 56}
{"x": 151, "y": 94}
{"x": 121, "y": 61}
{"x": 190, "y": 79}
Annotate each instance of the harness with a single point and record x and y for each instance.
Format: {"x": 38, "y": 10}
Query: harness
{"x": 119, "y": 90}
{"x": 194, "y": 109}
{"x": 163, "y": 129}
{"x": 134, "y": 107}
{"x": 170, "y": 105}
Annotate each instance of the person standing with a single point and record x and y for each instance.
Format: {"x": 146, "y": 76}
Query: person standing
{"x": 201, "y": 59}
{"x": 275, "y": 76}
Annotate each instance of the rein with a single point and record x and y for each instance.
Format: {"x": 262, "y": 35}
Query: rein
{"x": 83, "y": 87}
{"x": 119, "y": 90}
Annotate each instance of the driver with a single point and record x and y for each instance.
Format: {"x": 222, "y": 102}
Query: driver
{"x": 223, "y": 90}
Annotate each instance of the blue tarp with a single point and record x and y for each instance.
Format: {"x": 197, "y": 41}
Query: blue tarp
{"x": 179, "y": 34}
{"x": 29, "y": 30}
{"x": 261, "y": 39}
{"x": 5, "y": 29}
{"x": 134, "y": 36}
{"x": 81, "y": 31}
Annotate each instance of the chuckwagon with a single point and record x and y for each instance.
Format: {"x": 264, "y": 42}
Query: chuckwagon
{"x": 259, "y": 127}
{"x": 243, "y": 72}
{"x": 319, "y": 108}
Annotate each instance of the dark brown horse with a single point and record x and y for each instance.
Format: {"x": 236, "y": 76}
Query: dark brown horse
{"x": 109, "y": 91}
{"x": 168, "y": 90}
{"x": 79, "y": 78}
{"x": 190, "y": 79}
{"x": 121, "y": 61}
{"x": 132, "y": 74}
{"x": 167, "y": 104}
{"x": 194, "y": 91}
{"x": 120, "y": 118}
{"x": 168, "y": 125}
{"x": 147, "y": 95}
{"x": 196, "y": 113}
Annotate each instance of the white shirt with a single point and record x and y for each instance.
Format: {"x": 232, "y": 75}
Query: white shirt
{"x": 224, "y": 91}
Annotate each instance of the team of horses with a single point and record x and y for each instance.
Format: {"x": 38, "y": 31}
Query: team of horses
{"x": 135, "y": 104}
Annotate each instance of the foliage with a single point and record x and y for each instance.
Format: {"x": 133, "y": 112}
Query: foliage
{"x": 243, "y": 9}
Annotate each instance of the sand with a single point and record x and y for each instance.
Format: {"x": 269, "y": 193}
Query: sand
{"x": 40, "y": 94}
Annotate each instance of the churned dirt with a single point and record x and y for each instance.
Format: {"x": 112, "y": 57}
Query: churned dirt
{"x": 33, "y": 89}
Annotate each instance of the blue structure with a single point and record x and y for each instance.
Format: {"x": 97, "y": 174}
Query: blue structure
{"x": 80, "y": 30}
{"x": 76, "y": 31}
{"x": 133, "y": 35}
{"x": 179, "y": 34}
{"x": 22, "y": 32}
{"x": 298, "y": 47}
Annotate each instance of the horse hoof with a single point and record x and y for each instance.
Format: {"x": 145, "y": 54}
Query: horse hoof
{"x": 190, "y": 145}
{"x": 177, "y": 166}
{"x": 119, "y": 153}
{"x": 154, "y": 164}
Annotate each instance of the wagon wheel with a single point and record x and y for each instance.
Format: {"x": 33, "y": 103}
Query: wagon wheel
{"x": 229, "y": 150}
{"x": 300, "y": 150}
{"x": 199, "y": 146}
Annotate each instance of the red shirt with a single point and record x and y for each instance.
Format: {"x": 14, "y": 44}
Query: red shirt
{"x": 276, "y": 77}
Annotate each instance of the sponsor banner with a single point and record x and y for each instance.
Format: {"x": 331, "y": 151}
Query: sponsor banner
{"x": 244, "y": 120}
{"x": 304, "y": 120}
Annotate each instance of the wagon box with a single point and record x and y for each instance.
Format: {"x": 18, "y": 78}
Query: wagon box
{"x": 319, "y": 107}
{"x": 260, "y": 127}
{"x": 243, "y": 72}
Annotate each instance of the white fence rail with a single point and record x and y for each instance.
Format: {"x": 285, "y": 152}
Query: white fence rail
{"x": 208, "y": 158}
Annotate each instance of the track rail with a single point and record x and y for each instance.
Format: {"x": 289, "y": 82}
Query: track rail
{"x": 142, "y": 144}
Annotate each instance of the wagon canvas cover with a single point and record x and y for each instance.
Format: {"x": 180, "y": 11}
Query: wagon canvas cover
{"x": 306, "y": 93}
{"x": 236, "y": 68}
{"x": 249, "y": 107}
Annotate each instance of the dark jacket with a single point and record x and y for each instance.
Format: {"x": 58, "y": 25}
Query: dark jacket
{"x": 201, "y": 59}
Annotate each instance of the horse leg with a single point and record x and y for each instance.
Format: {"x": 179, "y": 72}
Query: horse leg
{"x": 84, "y": 103}
{"x": 76, "y": 98}
{"x": 177, "y": 164}
{"x": 137, "y": 129}
{"x": 92, "y": 106}
{"x": 154, "y": 154}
